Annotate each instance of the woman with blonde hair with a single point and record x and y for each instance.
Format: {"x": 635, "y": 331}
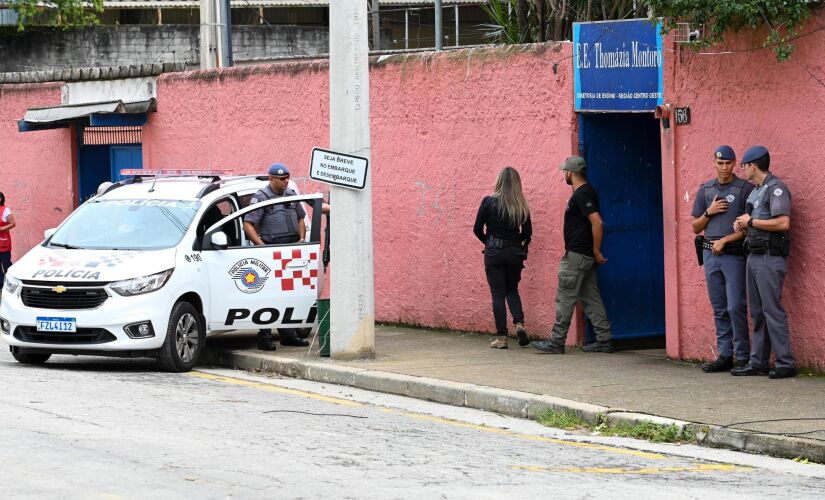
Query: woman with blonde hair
{"x": 506, "y": 216}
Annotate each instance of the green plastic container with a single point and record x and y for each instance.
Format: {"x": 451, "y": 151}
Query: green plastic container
{"x": 323, "y": 326}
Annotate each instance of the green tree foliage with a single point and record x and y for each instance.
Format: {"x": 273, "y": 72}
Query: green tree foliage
{"x": 524, "y": 21}
{"x": 782, "y": 18}
{"x": 60, "y": 13}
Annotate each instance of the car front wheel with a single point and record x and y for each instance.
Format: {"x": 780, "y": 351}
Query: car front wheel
{"x": 185, "y": 337}
{"x": 30, "y": 358}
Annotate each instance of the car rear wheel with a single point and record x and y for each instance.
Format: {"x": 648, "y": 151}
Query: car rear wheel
{"x": 185, "y": 337}
{"x": 30, "y": 358}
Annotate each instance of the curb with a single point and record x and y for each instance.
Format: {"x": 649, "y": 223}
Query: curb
{"x": 506, "y": 402}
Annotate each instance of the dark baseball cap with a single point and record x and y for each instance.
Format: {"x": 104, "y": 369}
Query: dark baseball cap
{"x": 573, "y": 164}
{"x": 278, "y": 170}
{"x": 754, "y": 153}
{"x": 724, "y": 152}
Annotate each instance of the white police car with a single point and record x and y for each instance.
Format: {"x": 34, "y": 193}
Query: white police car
{"x": 152, "y": 266}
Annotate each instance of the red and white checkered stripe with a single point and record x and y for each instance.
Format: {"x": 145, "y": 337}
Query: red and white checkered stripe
{"x": 292, "y": 279}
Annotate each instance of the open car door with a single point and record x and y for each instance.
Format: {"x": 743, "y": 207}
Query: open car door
{"x": 266, "y": 286}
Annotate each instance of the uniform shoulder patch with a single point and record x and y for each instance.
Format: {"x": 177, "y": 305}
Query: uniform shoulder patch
{"x": 778, "y": 192}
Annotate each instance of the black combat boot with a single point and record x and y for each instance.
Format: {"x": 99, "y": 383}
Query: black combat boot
{"x": 289, "y": 337}
{"x": 720, "y": 364}
{"x": 265, "y": 341}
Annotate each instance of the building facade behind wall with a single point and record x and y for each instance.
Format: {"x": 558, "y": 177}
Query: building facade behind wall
{"x": 133, "y": 32}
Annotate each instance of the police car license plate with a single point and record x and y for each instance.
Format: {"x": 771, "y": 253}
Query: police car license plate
{"x": 56, "y": 324}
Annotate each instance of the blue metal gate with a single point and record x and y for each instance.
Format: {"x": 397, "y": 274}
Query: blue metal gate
{"x": 101, "y": 163}
{"x": 623, "y": 155}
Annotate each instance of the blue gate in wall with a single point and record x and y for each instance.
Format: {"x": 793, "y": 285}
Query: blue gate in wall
{"x": 101, "y": 163}
{"x": 617, "y": 67}
{"x": 624, "y": 165}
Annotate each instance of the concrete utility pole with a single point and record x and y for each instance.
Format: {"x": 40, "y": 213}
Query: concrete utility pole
{"x": 352, "y": 294}
{"x": 208, "y": 49}
{"x": 216, "y": 40}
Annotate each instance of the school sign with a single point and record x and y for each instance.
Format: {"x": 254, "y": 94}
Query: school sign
{"x": 617, "y": 66}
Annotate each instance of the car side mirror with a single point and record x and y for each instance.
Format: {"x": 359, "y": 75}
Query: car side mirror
{"x": 49, "y": 232}
{"x": 219, "y": 240}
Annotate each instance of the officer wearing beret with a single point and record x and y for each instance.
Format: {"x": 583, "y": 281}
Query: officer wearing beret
{"x": 276, "y": 224}
{"x": 767, "y": 244}
{"x": 718, "y": 203}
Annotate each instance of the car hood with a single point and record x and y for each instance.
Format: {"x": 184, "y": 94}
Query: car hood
{"x": 68, "y": 265}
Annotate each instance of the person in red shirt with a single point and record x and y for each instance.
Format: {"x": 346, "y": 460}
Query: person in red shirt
{"x": 6, "y": 224}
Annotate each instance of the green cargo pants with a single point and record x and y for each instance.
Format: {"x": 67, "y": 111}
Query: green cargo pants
{"x": 578, "y": 282}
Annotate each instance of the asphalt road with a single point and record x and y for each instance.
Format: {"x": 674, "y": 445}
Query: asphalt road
{"x": 98, "y": 428}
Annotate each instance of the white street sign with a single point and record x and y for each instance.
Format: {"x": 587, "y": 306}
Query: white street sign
{"x": 338, "y": 168}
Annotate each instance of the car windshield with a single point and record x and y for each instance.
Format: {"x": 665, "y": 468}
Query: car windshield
{"x": 126, "y": 225}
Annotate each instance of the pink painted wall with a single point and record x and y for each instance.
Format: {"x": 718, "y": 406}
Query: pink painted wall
{"x": 742, "y": 99}
{"x": 442, "y": 127}
{"x": 36, "y": 172}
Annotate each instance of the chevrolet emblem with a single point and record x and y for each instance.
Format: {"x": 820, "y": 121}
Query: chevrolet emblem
{"x": 59, "y": 289}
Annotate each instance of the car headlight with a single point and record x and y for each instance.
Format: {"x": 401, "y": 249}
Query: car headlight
{"x": 144, "y": 284}
{"x": 11, "y": 284}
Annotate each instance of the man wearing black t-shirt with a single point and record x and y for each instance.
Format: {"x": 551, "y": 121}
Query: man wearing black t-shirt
{"x": 583, "y": 233}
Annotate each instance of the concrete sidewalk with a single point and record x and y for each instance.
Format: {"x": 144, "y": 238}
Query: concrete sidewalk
{"x": 779, "y": 417}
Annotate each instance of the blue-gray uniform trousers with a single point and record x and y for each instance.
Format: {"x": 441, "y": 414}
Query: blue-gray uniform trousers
{"x": 765, "y": 277}
{"x": 725, "y": 277}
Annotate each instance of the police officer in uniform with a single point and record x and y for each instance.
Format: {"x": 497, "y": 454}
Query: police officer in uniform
{"x": 276, "y": 224}
{"x": 718, "y": 203}
{"x": 767, "y": 244}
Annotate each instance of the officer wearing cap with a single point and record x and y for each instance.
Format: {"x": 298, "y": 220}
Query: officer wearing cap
{"x": 281, "y": 223}
{"x": 718, "y": 203}
{"x": 578, "y": 281}
{"x": 768, "y": 245}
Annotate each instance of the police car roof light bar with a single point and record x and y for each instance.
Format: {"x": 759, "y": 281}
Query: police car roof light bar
{"x": 139, "y": 172}
{"x": 226, "y": 181}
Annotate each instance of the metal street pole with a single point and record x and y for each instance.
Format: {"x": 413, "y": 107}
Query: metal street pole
{"x": 439, "y": 38}
{"x": 376, "y": 27}
{"x": 226, "y": 33}
{"x": 352, "y": 294}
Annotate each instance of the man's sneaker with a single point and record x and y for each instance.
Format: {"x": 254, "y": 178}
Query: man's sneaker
{"x": 782, "y": 373}
{"x": 499, "y": 343}
{"x": 740, "y": 362}
{"x": 521, "y": 333}
{"x": 720, "y": 364}
{"x": 548, "y": 346}
{"x": 599, "y": 347}
{"x": 748, "y": 371}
